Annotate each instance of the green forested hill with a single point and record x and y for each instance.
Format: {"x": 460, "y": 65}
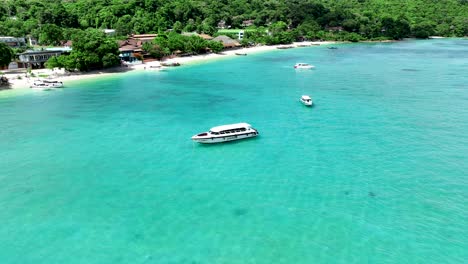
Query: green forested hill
{"x": 448, "y": 17}
{"x": 313, "y": 18}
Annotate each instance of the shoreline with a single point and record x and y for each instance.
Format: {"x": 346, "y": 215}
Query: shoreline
{"x": 19, "y": 79}
{"x": 247, "y": 51}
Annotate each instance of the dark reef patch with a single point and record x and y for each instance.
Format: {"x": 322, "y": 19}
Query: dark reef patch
{"x": 137, "y": 236}
{"x": 240, "y": 211}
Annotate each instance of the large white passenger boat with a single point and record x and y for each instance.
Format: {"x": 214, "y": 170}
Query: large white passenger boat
{"x": 226, "y": 133}
{"x": 46, "y": 84}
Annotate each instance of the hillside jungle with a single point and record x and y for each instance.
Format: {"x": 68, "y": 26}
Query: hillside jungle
{"x": 268, "y": 22}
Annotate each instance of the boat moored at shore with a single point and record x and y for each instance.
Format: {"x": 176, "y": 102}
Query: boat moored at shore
{"x": 157, "y": 67}
{"x": 285, "y": 47}
{"x": 44, "y": 84}
{"x": 226, "y": 133}
{"x": 170, "y": 63}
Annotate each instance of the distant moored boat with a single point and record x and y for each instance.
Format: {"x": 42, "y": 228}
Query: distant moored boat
{"x": 301, "y": 65}
{"x": 170, "y": 63}
{"x": 306, "y": 100}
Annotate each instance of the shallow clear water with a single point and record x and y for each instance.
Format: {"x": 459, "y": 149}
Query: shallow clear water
{"x": 104, "y": 171}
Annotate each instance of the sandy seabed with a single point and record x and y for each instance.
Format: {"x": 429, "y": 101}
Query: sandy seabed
{"x": 20, "y": 80}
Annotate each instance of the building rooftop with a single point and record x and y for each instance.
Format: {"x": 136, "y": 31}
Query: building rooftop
{"x": 227, "y": 41}
{"x": 139, "y": 36}
{"x": 33, "y": 52}
{"x": 62, "y": 49}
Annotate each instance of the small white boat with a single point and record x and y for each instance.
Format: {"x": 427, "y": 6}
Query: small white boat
{"x": 226, "y": 133}
{"x": 301, "y": 65}
{"x": 157, "y": 67}
{"x": 306, "y": 100}
{"x": 46, "y": 84}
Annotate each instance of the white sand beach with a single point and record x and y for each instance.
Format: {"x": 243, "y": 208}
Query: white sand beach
{"x": 250, "y": 50}
{"x": 20, "y": 80}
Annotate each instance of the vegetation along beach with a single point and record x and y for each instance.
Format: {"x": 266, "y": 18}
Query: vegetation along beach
{"x": 303, "y": 131}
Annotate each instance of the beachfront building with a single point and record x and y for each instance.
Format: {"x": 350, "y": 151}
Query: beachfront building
{"x": 144, "y": 37}
{"x": 228, "y": 43}
{"x": 131, "y": 48}
{"x": 13, "y": 42}
{"x": 35, "y": 59}
{"x": 128, "y": 52}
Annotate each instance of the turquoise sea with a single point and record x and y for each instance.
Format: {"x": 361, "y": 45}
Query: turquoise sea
{"x": 104, "y": 171}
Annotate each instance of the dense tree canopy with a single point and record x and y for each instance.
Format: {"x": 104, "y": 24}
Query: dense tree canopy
{"x": 368, "y": 18}
{"x": 6, "y": 54}
{"x": 92, "y": 49}
{"x": 166, "y": 44}
{"x": 50, "y": 34}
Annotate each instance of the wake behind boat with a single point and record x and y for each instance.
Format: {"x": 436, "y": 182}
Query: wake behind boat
{"x": 226, "y": 133}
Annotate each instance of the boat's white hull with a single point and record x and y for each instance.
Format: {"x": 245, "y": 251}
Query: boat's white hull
{"x": 46, "y": 86}
{"x": 157, "y": 68}
{"x": 306, "y": 103}
{"x": 209, "y": 139}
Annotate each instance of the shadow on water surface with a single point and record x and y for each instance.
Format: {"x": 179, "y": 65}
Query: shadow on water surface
{"x": 410, "y": 70}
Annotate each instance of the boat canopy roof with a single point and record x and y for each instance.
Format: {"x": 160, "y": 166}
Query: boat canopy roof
{"x": 228, "y": 127}
{"x": 306, "y": 97}
{"x": 302, "y": 63}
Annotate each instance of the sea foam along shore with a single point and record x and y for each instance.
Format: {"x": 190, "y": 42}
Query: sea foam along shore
{"x": 19, "y": 80}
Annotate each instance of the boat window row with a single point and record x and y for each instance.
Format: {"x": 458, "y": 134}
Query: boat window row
{"x": 229, "y": 131}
